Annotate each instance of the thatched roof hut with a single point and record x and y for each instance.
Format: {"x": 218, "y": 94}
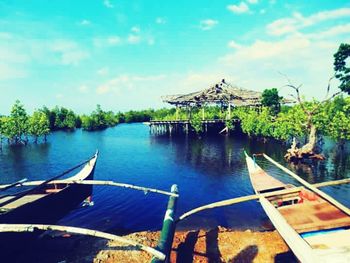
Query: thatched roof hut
{"x": 222, "y": 93}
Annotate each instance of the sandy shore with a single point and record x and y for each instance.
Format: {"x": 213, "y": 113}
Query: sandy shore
{"x": 216, "y": 245}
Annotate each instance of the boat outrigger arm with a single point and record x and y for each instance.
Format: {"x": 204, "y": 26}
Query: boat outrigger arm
{"x": 97, "y": 182}
{"x": 160, "y": 254}
{"x": 81, "y": 231}
{"x": 241, "y": 199}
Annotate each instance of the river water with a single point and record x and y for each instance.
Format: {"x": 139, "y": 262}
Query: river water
{"x": 206, "y": 170}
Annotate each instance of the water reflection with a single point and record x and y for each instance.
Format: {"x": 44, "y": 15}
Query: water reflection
{"x": 206, "y": 170}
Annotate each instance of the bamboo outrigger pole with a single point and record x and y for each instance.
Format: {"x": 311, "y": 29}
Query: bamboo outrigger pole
{"x": 20, "y": 182}
{"x": 310, "y": 186}
{"x": 81, "y": 231}
{"x": 98, "y": 182}
{"x": 168, "y": 230}
{"x": 236, "y": 201}
{"x": 241, "y": 199}
{"x": 330, "y": 183}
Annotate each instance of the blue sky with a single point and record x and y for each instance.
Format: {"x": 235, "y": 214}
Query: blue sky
{"x": 127, "y": 54}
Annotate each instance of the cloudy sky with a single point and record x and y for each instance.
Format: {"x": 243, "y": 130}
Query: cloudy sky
{"x": 126, "y": 54}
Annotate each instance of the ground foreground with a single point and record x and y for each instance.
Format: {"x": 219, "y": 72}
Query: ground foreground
{"x": 216, "y": 245}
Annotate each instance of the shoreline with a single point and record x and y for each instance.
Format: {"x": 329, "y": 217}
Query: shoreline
{"x": 215, "y": 245}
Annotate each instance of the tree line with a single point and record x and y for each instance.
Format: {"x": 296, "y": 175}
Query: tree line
{"x": 20, "y": 128}
{"x": 332, "y": 120}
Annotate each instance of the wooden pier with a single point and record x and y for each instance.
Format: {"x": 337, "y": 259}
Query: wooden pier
{"x": 184, "y": 126}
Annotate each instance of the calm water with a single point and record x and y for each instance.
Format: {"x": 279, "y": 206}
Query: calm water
{"x": 206, "y": 170}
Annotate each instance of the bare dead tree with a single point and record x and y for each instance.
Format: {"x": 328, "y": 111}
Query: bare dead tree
{"x": 309, "y": 150}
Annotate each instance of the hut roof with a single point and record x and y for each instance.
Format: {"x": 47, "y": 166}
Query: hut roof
{"x": 219, "y": 93}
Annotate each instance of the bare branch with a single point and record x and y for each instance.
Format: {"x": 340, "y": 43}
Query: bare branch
{"x": 331, "y": 97}
{"x": 293, "y": 96}
{"x": 329, "y": 87}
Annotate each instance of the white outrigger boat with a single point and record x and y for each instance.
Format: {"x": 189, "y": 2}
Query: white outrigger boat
{"x": 314, "y": 225}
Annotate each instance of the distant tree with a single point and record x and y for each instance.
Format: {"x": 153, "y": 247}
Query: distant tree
{"x": 39, "y": 125}
{"x": 51, "y": 116}
{"x": 2, "y": 129}
{"x": 99, "y": 120}
{"x": 120, "y": 117}
{"x": 271, "y": 99}
{"x": 69, "y": 122}
{"x": 78, "y": 122}
{"x": 16, "y": 126}
{"x": 88, "y": 123}
{"x": 342, "y": 71}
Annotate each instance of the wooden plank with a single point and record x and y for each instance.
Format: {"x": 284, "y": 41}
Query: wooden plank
{"x": 260, "y": 180}
{"x": 81, "y": 231}
{"x": 301, "y": 249}
{"x": 314, "y": 215}
{"x": 310, "y": 186}
{"x": 339, "y": 238}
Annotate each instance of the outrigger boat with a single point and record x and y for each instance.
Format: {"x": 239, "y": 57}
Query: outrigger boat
{"x": 49, "y": 200}
{"x": 314, "y": 227}
{"x": 34, "y": 210}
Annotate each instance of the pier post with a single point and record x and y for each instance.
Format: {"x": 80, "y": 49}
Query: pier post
{"x": 170, "y": 128}
{"x": 229, "y": 111}
{"x": 168, "y": 230}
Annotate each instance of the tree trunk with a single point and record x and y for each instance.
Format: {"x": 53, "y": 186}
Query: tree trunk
{"x": 308, "y": 151}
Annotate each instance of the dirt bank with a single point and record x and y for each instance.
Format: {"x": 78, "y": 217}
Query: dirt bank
{"x": 216, "y": 245}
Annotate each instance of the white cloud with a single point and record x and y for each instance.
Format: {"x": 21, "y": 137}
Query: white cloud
{"x": 160, "y": 20}
{"x": 332, "y": 32}
{"x": 5, "y": 36}
{"x": 241, "y": 8}
{"x": 12, "y": 55}
{"x": 103, "y": 71}
{"x": 126, "y": 82}
{"x": 234, "y": 44}
{"x": 83, "y": 89}
{"x": 70, "y": 52}
{"x": 269, "y": 49}
{"x": 298, "y": 21}
{"x": 208, "y": 24}
{"x": 298, "y": 56}
{"x": 59, "y": 96}
{"x": 62, "y": 45}
{"x": 114, "y": 40}
{"x": 135, "y": 29}
{"x": 151, "y": 41}
{"x": 84, "y": 22}
{"x": 102, "y": 89}
{"x": 252, "y": 1}
{"x": 108, "y": 4}
{"x": 73, "y": 57}
{"x": 133, "y": 39}
{"x": 9, "y": 71}
{"x": 107, "y": 41}
{"x": 262, "y": 11}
